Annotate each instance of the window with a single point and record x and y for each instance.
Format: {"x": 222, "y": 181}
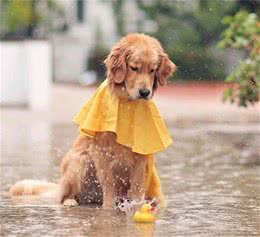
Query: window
{"x": 80, "y": 10}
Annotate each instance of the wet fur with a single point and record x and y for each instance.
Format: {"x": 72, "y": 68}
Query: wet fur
{"x": 97, "y": 170}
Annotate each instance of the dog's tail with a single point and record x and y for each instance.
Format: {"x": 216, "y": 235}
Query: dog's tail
{"x": 32, "y": 187}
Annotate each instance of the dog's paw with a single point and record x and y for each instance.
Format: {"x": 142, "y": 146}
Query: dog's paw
{"x": 70, "y": 203}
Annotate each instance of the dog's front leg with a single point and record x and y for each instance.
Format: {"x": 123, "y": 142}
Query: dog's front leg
{"x": 108, "y": 194}
{"x": 105, "y": 176}
{"x": 137, "y": 179}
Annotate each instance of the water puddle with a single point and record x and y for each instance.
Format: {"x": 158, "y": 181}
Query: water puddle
{"x": 210, "y": 177}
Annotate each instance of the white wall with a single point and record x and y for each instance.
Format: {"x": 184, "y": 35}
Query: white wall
{"x": 72, "y": 48}
{"x": 26, "y": 73}
{"x": 14, "y": 84}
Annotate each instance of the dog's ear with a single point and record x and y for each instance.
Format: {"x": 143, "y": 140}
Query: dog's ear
{"x": 165, "y": 70}
{"x": 116, "y": 64}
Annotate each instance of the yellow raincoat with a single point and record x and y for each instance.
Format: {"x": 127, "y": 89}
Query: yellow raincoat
{"x": 137, "y": 124}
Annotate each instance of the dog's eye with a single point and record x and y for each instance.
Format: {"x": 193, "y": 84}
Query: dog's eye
{"x": 134, "y": 68}
{"x": 152, "y": 70}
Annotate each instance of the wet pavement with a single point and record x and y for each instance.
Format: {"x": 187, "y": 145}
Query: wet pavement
{"x": 210, "y": 175}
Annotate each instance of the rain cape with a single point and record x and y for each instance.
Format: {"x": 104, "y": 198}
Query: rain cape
{"x": 136, "y": 123}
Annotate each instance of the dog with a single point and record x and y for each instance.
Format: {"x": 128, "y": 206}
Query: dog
{"x": 99, "y": 169}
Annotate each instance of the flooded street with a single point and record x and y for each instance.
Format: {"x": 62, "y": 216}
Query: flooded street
{"x": 210, "y": 175}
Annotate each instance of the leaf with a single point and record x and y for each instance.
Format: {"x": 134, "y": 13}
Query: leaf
{"x": 227, "y": 20}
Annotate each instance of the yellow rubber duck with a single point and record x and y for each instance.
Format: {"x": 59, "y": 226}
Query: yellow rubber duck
{"x": 145, "y": 215}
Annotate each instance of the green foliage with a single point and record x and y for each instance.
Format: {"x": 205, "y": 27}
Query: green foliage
{"x": 18, "y": 14}
{"x": 21, "y": 18}
{"x": 243, "y": 33}
{"x": 188, "y": 31}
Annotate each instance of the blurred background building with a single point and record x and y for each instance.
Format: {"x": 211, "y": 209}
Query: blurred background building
{"x": 92, "y": 27}
{"x": 88, "y": 23}
{"x": 80, "y": 33}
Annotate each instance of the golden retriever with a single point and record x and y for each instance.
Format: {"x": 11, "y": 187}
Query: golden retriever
{"x": 135, "y": 67}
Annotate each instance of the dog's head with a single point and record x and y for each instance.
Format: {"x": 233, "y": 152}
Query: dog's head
{"x": 135, "y": 66}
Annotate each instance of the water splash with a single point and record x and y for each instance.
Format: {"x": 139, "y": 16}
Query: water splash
{"x": 131, "y": 206}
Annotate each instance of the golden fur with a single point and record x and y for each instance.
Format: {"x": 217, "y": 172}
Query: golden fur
{"x": 97, "y": 170}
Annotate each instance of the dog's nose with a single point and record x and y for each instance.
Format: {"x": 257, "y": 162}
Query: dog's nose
{"x": 144, "y": 93}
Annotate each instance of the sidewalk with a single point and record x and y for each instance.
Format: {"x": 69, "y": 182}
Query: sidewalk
{"x": 180, "y": 102}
